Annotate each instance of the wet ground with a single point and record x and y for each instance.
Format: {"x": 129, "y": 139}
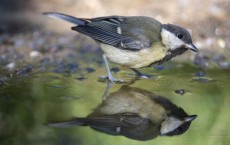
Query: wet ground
{"x": 37, "y": 88}
{"x": 30, "y": 101}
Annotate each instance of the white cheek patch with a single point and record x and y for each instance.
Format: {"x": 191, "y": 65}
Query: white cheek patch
{"x": 170, "y": 40}
{"x": 169, "y": 125}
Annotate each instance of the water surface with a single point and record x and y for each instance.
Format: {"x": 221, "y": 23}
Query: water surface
{"x": 30, "y": 101}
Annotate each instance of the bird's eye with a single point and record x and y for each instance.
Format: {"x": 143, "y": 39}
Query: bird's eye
{"x": 180, "y": 36}
{"x": 179, "y": 129}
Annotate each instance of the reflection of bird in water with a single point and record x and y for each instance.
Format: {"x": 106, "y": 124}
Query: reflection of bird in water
{"x": 136, "y": 114}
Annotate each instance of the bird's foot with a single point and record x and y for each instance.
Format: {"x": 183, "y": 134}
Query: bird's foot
{"x": 142, "y": 75}
{"x": 111, "y": 79}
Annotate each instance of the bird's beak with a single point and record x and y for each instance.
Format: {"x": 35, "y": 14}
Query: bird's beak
{"x": 191, "y": 47}
{"x": 190, "y": 118}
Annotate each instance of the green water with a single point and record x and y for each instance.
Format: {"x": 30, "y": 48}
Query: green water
{"x": 28, "y": 102}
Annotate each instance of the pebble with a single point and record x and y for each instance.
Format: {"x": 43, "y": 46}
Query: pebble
{"x": 200, "y": 74}
{"x": 35, "y": 54}
{"x": 115, "y": 69}
{"x": 10, "y": 66}
{"x": 19, "y": 42}
{"x": 90, "y": 69}
{"x": 224, "y": 64}
{"x": 24, "y": 70}
{"x": 159, "y": 67}
{"x": 201, "y": 60}
{"x": 72, "y": 67}
{"x": 218, "y": 58}
{"x": 60, "y": 68}
{"x": 81, "y": 78}
{"x": 45, "y": 61}
{"x": 63, "y": 67}
{"x": 180, "y": 91}
{"x": 221, "y": 43}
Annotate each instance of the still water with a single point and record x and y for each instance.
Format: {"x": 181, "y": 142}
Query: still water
{"x": 28, "y": 103}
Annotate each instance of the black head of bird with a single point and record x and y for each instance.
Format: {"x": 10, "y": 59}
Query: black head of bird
{"x": 135, "y": 113}
{"x": 134, "y": 41}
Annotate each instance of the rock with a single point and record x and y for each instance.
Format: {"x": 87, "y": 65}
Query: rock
{"x": 218, "y": 58}
{"x": 224, "y": 64}
{"x": 159, "y": 67}
{"x": 200, "y": 74}
{"x": 35, "y": 54}
{"x": 81, "y": 78}
{"x": 201, "y": 60}
{"x": 180, "y": 91}
{"x": 24, "y": 70}
{"x": 115, "y": 69}
{"x": 90, "y": 69}
{"x": 10, "y": 66}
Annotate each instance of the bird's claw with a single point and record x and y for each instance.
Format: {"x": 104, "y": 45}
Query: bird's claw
{"x": 111, "y": 79}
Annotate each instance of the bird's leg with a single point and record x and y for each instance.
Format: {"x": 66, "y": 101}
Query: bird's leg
{"x": 111, "y": 78}
{"x": 104, "y": 97}
{"x": 140, "y": 74}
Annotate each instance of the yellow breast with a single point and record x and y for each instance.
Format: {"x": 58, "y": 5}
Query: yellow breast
{"x": 133, "y": 102}
{"x": 134, "y": 59}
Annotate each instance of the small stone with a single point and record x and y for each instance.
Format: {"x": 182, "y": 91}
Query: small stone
{"x": 72, "y": 67}
{"x": 221, "y": 43}
{"x": 201, "y": 60}
{"x": 90, "y": 69}
{"x": 45, "y": 61}
{"x": 24, "y": 70}
{"x": 81, "y": 78}
{"x": 180, "y": 91}
{"x": 218, "y": 58}
{"x": 115, "y": 69}
{"x": 35, "y": 54}
{"x": 200, "y": 74}
{"x": 11, "y": 66}
{"x": 159, "y": 67}
{"x": 19, "y": 42}
{"x": 224, "y": 64}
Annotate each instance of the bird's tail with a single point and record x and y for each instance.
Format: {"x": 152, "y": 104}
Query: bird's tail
{"x": 71, "y": 19}
{"x": 73, "y": 122}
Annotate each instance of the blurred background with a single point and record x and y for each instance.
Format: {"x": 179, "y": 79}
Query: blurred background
{"x": 46, "y": 70}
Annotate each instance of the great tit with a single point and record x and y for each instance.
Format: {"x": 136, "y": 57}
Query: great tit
{"x": 135, "y": 113}
{"x": 134, "y": 41}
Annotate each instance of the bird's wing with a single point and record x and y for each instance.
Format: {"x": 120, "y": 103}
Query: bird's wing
{"x": 115, "y": 31}
{"x": 130, "y": 125}
{"x": 129, "y": 33}
{"x": 112, "y": 123}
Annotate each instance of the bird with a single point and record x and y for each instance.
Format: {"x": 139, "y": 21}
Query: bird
{"x": 132, "y": 41}
{"x": 136, "y": 114}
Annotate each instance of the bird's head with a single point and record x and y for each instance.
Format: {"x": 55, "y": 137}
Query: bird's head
{"x": 175, "y": 37}
{"x": 175, "y": 126}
